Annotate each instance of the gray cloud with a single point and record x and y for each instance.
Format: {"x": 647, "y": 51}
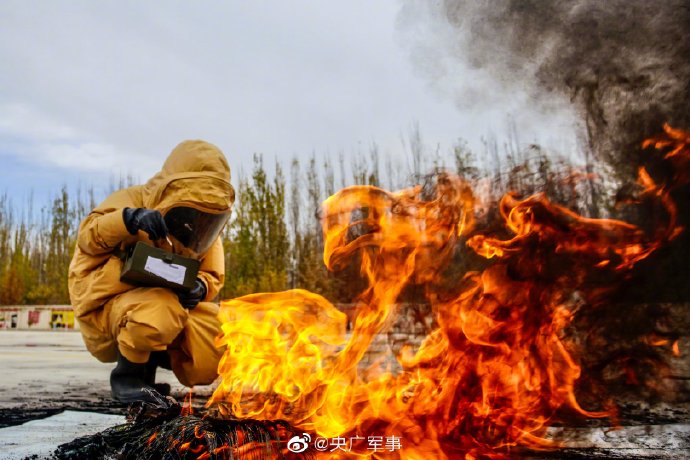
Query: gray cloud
{"x": 133, "y": 79}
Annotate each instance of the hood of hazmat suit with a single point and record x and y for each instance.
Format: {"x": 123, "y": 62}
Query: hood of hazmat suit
{"x": 193, "y": 193}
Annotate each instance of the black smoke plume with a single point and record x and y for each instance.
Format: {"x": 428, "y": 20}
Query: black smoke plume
{"x": 625, "y": 64}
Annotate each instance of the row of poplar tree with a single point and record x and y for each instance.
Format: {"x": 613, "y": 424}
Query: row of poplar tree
{"x": 274, "y": 239}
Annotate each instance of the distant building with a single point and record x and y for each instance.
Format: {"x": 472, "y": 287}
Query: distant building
{"x": 38, "y": 317}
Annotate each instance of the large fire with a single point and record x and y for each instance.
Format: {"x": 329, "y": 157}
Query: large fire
{"x": 497, "y": 369}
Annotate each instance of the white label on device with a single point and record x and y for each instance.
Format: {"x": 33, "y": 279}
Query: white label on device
{"x": 169, "y": 272}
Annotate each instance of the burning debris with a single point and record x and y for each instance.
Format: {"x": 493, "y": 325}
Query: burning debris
{"x": 516, "y": 348}
{"x": 167, "y": 430}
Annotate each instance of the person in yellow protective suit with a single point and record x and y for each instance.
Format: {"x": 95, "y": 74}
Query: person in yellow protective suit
{"x": 182, "y": 209}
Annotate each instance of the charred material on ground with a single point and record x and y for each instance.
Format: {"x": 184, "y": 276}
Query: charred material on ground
{"x": 168, "y": 430}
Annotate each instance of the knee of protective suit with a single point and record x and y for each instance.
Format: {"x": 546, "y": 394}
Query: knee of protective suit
{"x": 153, "y": 318}
{"x": 195, "y": 356}
{"x": 190, "y": 373}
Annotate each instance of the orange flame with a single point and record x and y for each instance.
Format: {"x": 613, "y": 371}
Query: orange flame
{"x": 188, "y": 407}
{"x": 488, "y": 379}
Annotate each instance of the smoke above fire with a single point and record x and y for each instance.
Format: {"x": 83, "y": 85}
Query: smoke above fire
{"x": 623, "y": 65}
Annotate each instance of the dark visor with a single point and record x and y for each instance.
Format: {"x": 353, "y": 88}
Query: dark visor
{"x": 196, "y": 230}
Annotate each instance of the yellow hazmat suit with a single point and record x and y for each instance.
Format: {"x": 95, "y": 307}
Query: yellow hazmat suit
{"x": 140, "y": 320}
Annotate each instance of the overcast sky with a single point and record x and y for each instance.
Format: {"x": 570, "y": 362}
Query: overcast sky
{"x": 95, "y": 90}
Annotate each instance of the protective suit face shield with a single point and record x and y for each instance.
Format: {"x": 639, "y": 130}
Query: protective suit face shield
{"x": 194, "y": 229}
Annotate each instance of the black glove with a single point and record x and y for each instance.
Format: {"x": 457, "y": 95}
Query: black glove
{"x": 148, "y": 220}
{"x": 190, "y": 299}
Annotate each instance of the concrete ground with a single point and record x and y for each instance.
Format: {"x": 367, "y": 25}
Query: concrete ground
{"x": 45, "y": 372}
{"x": 48, "y": 433}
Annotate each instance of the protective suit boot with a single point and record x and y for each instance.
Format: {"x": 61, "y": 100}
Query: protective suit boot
{"x": 128, "y": 382}
{"x": 157, "y": 359}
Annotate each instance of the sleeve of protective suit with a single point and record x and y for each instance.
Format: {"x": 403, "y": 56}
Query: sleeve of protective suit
{"x": 212, "y": 270}
{"x": 104, "y": 228}
{"x": 102, "y": 231}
